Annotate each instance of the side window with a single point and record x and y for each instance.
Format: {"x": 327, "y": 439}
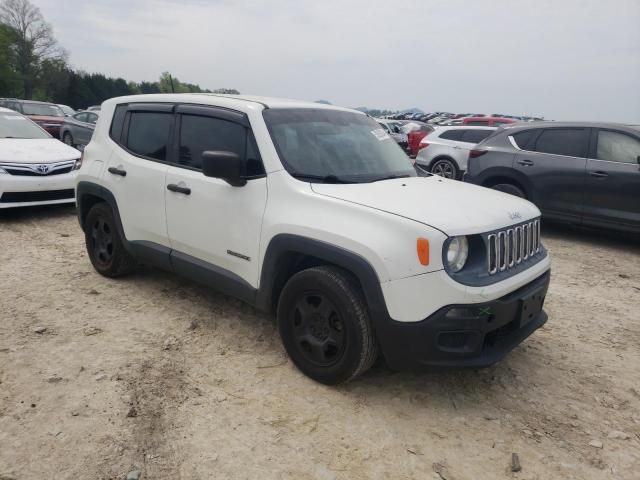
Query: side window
{"x": 199, "y": 134}
{"x": 148, "y": 134}
{"x": 617, "y": 147}
{"x": 81, "y": 117}
{"x": 562, "y": 141}
{"x": 92, "y": 118}
{"x": 523, "y": 139}
{"x": 452, "y": 135}
{"x": 117, "y": 123}
{"x": 475, "y": 136}
{"x": 477, "y": 123}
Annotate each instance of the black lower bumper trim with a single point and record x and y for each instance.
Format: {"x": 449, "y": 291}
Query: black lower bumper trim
{"x": 476, "y": 335}
{"x": 38, "y": 196}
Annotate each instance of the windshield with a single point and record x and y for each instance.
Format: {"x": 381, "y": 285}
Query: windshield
{"x": 42, "y": 109}
{"x": 335, "y": 146}
{"x": 17, "y": 126}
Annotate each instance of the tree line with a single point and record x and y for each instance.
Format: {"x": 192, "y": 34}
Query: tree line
{"x": 34, "y": 66}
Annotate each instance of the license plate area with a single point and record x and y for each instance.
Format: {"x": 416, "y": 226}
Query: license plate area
{"x": 530, "y": 307}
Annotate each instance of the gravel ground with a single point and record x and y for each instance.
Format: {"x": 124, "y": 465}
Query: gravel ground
{"x": 101, "y": 378}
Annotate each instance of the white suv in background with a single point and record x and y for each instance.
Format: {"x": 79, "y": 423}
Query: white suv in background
{"x": 445, "y": 151}
{"x": 313, "y": 212}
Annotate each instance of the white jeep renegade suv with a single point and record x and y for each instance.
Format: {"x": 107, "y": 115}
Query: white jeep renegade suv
{"x": 315, "y": 213}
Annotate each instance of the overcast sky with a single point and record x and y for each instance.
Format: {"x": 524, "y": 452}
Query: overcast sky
{"x": 566, "y": 60}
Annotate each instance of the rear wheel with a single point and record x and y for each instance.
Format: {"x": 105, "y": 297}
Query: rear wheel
{"x": 446, "y": 168}
{"x": 104, "y": 244}
{"x": 325, "y": 326}
{"x": 510, "y": 188}
{"x": 68, "y": 139}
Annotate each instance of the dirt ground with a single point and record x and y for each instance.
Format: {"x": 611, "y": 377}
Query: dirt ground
{"x": 100, "y": 378}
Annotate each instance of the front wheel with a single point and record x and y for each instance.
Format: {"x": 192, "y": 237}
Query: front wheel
{"x": 325, "y": 327}
{"x": 68, "y": 139}
{"x": 445, "y": 168}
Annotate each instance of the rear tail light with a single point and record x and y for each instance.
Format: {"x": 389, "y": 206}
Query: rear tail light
{"x": 422, "y": 146}
{"x": 476, "y": 153}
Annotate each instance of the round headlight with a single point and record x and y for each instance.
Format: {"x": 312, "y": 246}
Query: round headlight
{"x": 457, "y": 253}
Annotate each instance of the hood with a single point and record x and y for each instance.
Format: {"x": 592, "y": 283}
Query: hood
{"x": 45, "y": 118}
{"x": 453, "y": 207}
{"x": 40, "y": 150}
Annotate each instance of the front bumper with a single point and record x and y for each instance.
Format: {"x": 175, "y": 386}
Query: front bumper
{"x": 468, "y": 335}
{"x": 24, "y": 191}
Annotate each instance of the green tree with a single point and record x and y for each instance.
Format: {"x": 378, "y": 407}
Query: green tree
{"x": 33, "y": 41}
{"x": 9, "y": 79}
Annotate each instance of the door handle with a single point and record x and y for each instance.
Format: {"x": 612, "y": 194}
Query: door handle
{"x": 178, "y": 189}
{"x": 599, "y": 174}
{"x": 117, "y": 171}
{"x": 525, "y": 163}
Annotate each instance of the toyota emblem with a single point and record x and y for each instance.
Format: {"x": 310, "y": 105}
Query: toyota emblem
{"x": 43, "y": 169}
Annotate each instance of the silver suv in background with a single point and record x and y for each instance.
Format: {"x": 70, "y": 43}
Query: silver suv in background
{"x": 579, "y": 172}
{"x": 445, "y": 151}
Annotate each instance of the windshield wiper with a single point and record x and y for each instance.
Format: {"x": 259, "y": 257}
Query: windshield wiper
{"x": 322, "y": 178}
{"x": 390, "y": 177}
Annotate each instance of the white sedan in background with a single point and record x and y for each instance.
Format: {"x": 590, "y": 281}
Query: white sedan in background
{"x": 35, "y": 168}
{"x": 445, "y": 151}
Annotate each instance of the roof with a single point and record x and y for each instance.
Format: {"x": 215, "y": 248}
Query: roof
{"x": 28, "y": 101}
{"x": 238, "y": 102}
{"x": 548, "y": 124}
{"x": 464, "y": 127}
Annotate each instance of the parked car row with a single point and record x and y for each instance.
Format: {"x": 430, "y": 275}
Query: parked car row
{"x": 477, "y": 119}
{"x": 61, "y": 121}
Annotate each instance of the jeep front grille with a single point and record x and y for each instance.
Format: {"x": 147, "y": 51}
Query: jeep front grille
{"x": 510, "y": 247}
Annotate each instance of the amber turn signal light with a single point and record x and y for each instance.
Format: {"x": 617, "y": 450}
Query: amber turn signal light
{"x": 423, "y": 251}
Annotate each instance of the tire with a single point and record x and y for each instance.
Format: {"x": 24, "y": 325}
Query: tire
{"x": 68, "y": 139}
{"x": 445, "y": 167}
{"x": 104, "y": 244}
{"x": 324, "y": 325}
{"x": 510, "y": 188}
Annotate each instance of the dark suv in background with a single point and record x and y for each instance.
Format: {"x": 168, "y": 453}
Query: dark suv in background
{"x": 587, "y": 173}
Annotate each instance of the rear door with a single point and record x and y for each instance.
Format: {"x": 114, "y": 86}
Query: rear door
{"x": 554, "y": 160}
{"x": 136, "y": 171}
{"x": 613, "y": 179}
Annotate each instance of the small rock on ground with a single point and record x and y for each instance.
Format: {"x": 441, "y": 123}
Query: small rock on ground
{"x": 596, "y": 444}
{"x": 40, "y": 330}
{"x": 617, "y": 435}
{"x": 134, "y": 475}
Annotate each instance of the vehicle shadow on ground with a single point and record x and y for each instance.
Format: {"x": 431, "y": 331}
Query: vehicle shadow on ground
{"x": 36, "y": 213}
{"x": 590, "y": 236}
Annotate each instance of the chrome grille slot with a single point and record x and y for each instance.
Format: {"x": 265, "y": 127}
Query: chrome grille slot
{"x": 511, "y": 247}
{"x": 511, "y": 242}
{"x": 492, "y": 254}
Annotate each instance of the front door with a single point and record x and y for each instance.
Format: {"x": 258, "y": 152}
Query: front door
{"x": 613, "y": 180}
{"x": 213, "y": 225}
{"x": 554, "y": 160}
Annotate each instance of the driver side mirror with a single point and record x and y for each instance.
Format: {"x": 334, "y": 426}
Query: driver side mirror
{"x": 638, "y": 159}
{"x": 227, "y": 166}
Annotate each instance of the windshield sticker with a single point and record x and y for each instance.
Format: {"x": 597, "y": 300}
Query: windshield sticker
{"x": 380, "y": 134}
{"x": 13, "y": 117}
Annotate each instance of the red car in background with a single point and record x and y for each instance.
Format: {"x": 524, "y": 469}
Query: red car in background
{"x": 48, "y": 115}
{"x": 415, "y": 133}
{"x": 486, "y": 121}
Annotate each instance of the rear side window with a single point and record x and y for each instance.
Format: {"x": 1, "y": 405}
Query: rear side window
{"x": 81, "y": 117}
{"x": 571, "y": 142}
{"x": 117, "y": 123}
{"x": 523, "y": 139}
{"x": 617, "y": 147}
{"x": 477, "y": 123}
{"x": 148, "y": 134}
{"x": 452, "y": 135}
{"x": 475, "y": 136}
